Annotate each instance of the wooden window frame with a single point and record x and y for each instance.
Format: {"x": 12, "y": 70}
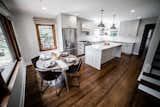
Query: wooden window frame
{"x": 8, "y": 85}
{"x": 54, "y": 36}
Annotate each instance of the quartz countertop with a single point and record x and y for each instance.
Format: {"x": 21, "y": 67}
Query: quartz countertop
{"x": 122, "y": 41}
{"x": 104, "y": 46}
{"x": 118, "y": 39}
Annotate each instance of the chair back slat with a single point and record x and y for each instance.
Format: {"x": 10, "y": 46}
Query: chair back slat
{"x": 79, "y": 65}
{"x": 34, "y": 60}
{"x": 75, "y": 68}
{"x": 49, "y": 75}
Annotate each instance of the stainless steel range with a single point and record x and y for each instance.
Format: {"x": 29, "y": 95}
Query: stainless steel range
{"x": 81, "y": 46}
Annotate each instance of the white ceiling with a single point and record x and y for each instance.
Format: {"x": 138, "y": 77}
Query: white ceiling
{"x": 88, "y": 8}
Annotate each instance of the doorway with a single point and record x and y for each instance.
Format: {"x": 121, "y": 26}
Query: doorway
{"x": 147, "y": 35}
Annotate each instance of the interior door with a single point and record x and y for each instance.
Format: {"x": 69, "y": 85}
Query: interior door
{"x": 148, "y": 31}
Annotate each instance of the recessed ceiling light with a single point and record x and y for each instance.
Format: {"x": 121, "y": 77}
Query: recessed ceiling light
{"x": 44, "y": 8}
{"x": 132, "y": 11}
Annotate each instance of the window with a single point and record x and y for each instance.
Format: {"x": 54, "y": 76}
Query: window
{"x": 6, "y": 56}
{"x": 5, "y": 52}
{"x": 46, "y": 36}
{"x": 9, "y": 53}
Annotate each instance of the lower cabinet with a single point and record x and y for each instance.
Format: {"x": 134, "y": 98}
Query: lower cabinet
{"x": 127, "y": 48}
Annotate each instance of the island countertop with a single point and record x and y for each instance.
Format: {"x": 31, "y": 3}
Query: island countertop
{"x": 104, "y": 46}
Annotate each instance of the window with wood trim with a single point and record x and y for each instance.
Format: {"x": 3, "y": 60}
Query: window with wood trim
{"x": 9, "y": 54}
{"x": 46, "y": 37}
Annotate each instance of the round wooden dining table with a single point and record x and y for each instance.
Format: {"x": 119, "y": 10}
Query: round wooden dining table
{"x": 61, "y": 65}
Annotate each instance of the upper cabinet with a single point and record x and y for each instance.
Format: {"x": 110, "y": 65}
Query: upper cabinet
{"x": 69, "y": 21}
{"x": 86, "y": 27}
{"x": 129, "y": 28}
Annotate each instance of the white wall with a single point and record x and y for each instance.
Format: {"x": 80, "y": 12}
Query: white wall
{"x": 26, "y": 36}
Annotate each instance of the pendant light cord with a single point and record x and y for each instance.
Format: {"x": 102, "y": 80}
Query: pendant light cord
{"x": 114, "y": 18}
{"x": 101, "y": 14}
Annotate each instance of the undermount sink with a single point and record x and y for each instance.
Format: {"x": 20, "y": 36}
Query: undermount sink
{"x": 106, "y": 44}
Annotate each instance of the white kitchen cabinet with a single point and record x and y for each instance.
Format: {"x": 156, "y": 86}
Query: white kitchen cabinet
{"x": 106, "y": 55}
{"x": 127, "y": 48}
{"x": 86, "y": 27}
{"x": 98, "y": 54}
{"x": 69, "y": 21}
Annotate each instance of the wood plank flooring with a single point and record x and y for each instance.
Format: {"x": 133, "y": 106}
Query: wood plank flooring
{"x": 113, "y": 86}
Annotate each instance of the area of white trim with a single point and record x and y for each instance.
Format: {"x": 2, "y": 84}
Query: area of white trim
{"x": 149, "y": 91}
{"x": 146, "y": 68}
{"x": 151, "y": 80}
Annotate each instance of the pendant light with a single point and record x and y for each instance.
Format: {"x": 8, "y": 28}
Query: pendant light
{"x": 113, "y": 25}
{"x": 101, "y": 25}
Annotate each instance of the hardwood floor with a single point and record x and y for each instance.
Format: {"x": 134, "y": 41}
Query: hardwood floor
{"x": 113, "y": 86}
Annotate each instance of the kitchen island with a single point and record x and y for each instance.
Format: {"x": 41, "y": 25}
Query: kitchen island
{"x": 98, "y": 54}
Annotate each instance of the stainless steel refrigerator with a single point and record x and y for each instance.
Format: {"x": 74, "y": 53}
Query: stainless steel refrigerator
{"x": 70, "y": 40}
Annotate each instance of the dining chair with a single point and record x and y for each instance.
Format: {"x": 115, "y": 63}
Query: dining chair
{"x": 46, "y": 75}
{"x": 34, "y": 60}
{"x": 73, "y": 72}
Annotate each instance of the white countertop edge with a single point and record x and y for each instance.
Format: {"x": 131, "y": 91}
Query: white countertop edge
{"x": 104, "y": 47}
